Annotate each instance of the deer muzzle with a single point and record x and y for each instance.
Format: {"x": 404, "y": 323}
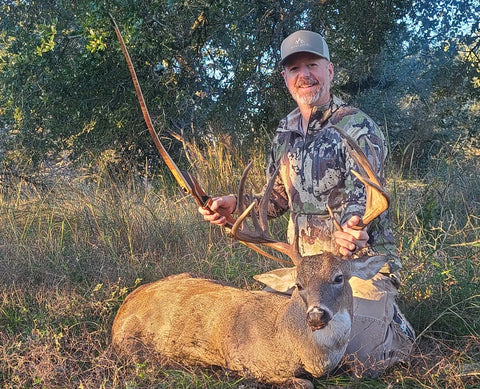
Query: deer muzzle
{"x": 317, "y": 318}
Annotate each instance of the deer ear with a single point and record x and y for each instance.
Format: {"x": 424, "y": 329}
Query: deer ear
{"x": 366, "y": 267}
{"x": 281, "y": 280}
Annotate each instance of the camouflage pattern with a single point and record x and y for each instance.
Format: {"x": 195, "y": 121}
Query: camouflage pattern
{"x": 315, "y": 171}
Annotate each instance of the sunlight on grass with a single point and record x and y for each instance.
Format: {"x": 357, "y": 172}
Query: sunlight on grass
{"x": 71, "y": 250}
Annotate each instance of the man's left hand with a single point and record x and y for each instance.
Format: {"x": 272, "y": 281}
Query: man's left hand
{"x": 351, "y": 239}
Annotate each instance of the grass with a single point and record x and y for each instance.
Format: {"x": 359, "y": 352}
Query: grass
{"x": 72, "y": 248}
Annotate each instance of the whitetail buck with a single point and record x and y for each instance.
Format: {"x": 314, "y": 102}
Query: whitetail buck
{"x": 269, "y": 337}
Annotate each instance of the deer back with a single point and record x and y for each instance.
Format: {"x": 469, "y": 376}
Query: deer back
{"x": 194, "y": 320}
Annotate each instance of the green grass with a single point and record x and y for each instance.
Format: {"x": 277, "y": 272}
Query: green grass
{"x": 72, "y": 249}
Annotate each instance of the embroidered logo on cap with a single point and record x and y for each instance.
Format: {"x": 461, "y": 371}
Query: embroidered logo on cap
{"x": 299, "y": 42}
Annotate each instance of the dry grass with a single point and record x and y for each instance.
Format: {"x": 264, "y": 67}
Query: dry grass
{"x": 71, "y": 251}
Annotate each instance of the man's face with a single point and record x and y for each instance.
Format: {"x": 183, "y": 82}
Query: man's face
{"x": 308, "y": 78}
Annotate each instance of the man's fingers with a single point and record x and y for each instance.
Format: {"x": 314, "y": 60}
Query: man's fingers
{"x": 345, "y": 252}
{"x": 353, "y": 221}
{"x": 210, "y": 216}
{"x": 204, "y": 211}
{"x": 350, "y": 239}
{"x": 219, "y": 210}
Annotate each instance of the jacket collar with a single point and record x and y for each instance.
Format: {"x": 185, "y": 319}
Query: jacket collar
{"x": 319, "y": 116}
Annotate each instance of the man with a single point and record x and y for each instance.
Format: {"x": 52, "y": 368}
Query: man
{"x": 315, "y": 172}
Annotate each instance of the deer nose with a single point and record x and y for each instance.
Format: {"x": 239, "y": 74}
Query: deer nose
{"x": 317, "y": 318}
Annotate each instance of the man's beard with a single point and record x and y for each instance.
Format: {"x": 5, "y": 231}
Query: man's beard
{"x": 310, "y": 98}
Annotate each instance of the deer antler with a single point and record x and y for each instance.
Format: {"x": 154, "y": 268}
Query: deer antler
{"x": 377, "y": 202}
{"x": 259, "y": 234}
{"x": 377, "y": 198}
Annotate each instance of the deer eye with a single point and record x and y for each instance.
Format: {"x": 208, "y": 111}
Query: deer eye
{"x": 338, "y": 279}
{"x": 299, "y": 287}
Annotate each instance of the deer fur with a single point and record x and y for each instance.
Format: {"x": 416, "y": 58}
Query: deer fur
{"x": 269, "y": 337}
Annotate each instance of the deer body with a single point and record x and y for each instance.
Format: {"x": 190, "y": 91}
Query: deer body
{"x": 266, "y": 336}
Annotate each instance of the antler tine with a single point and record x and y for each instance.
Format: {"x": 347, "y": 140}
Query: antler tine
{"x": 241, "y": 189}
{"x": 260, "y": 233}
{"x": 260, "y": 222}
{"x": 241, "y": 206}
{"x": 263, "y": 205}
{"x": 240, "y": 230}
{"x": 377, "y": 199}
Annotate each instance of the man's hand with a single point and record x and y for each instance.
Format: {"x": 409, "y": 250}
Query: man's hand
{"x": 351, "y": 239}
{"x": 220, "y": 208}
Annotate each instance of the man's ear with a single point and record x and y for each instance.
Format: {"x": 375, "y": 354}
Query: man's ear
{"x": 331, "y": 71}
{"x": 284, "y": 76}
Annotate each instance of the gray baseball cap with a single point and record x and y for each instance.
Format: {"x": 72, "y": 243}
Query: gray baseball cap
{"x": 303, "y": 41}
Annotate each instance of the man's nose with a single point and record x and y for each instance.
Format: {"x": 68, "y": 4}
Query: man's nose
{"x": 304, "y": 71}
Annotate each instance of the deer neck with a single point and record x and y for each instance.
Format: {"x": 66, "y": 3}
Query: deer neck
{"x": 318, "y": 350}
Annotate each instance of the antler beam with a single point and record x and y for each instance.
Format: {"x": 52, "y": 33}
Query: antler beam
{"x": 377, "y": 198}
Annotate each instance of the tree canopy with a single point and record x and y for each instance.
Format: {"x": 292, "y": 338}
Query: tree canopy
{"x": 208, "y": 67}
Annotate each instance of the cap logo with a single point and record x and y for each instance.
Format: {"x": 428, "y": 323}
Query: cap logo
{"x": 298, "y": 42}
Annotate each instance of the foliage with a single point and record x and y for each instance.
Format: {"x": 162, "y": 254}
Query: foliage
{"x": 205, "y": 66}
{"x": 210, "y": 68}
{"x": 424, "y": 88}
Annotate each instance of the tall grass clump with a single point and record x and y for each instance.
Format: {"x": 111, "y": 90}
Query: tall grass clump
{"x": 438, "y": 231}
{"x": 72, "y": 247}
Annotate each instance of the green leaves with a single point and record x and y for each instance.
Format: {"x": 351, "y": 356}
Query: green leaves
{"x": 95, "y": 41}
{"x": 47, "y": 35}
{"x": 209, "y": 67}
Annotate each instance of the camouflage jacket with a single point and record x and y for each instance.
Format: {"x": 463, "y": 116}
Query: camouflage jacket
{"x": 315, "y": 171}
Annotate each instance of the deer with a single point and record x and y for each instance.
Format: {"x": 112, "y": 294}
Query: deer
{"x": 272, "y": 338}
